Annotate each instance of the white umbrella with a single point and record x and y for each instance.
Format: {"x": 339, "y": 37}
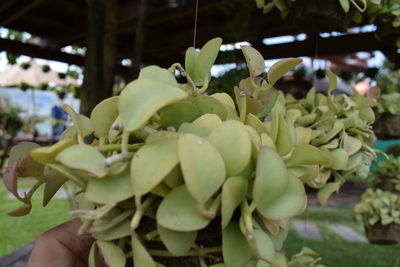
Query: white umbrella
{"x": 33, "y": 76}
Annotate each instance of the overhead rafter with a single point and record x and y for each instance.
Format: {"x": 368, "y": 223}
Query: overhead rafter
{"x": 11, "y": 16}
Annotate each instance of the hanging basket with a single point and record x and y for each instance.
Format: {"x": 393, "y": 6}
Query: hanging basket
{"x": 320, "y": 16}
{"x": 383, "y": 234}
{"x": 210, "y": 237}
{"x": 387, "y": 127}
{"x": 386, "y": 185}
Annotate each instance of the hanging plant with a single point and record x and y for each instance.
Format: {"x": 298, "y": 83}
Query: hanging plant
{"x": 176, "y": 177}
{"x": 25, "y": 65}
{"x": 379, "y": 211}
{"x": 61, "y": 75}
{"x": 24, "y": 86}
{"x": 45, "y": 68}
{"x": 319, "y": 15}
{"x": 43, "y": 86}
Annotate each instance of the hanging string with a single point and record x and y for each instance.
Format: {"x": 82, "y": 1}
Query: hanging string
{"x": 314, "y": 60}
{"x": 195, "y": 23}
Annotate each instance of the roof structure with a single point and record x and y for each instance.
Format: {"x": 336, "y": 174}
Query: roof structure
{"x": 169, "y": 30}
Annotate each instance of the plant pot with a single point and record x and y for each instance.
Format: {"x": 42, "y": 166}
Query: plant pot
{"x": 387, "y": 127}
{"x": 320, "y": 16}
{"x": 383, "y": 234}
{"x": 386, "y": 185}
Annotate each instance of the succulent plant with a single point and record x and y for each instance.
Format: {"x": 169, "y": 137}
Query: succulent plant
{"x": 387, "y": 174}
{"x": 377, "y": 206}
{"x": 161, "y": 164}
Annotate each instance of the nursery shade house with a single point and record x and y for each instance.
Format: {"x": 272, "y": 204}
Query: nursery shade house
{"x": 168, "y": 173}
{"x": 136, "y": 30}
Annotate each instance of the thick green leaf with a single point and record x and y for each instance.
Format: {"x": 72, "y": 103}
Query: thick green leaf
{"x": 174, "y": 178}
{"x": 291, "y": 202}
{"x": 207, "y": 123}
{"x": 351, "y": 144}
{"x": 176, "y": 114}
{"x": 141, "y": 256}
{"x": 254, "y": 60}
{"x": 196, "y": 129}
{"x": 345, "y": 5}
{"x": 255, "y": 122}
{"x": 340, "y": 159}
{"x": 232, "y": 141}
{"x": 224, "y": 98}
{"x": 264, "y": 246}
{"x": 113, "y": 255}
{"x": 151, "y": 164}
{"x": 179, "y": 212}
{"x": 92, "y": 260}
{"x": 284, "y": 141}
{"x": 235, "y": 249}
{"x": 177, "y": 243}
{"x": 55, "y": 181}
{"x": 206, "y": 58}
{"x": 103, "y": 116}
{"x": 142, "y": 98}
{"x": 280, "y": 68}
{"x": 159, "y": 74}
{"x": 234, "y": 191}
{"x": 190, "y": 65}
{"x": 82, "y": 124}
{"x": 202, "y": 166}
{"x": 332, "y": 81}
{"x": 78, "y": 178}
{"x": 84, "y": 158}
{"x": 271, "y": 177}
{"x": 325, "y": 192}
{"x": 110, "y": 189}
{"x": 119, "y": 231}
{"x": 48, "y": 154}
{"x": 307, "y": 154}
{"x": 208, "y": 104}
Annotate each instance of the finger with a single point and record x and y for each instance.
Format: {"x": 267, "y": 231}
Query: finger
{"x": 61, "y": 246}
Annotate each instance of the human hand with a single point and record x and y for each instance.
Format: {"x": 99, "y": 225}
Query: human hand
{"x": 61, "y": 246}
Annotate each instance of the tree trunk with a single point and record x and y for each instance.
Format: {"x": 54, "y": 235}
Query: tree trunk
{"x": 100, "y": 59}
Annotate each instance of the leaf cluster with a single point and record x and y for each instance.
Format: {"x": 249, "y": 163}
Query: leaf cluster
{"x": 167, "y": 153}
{"x": 377, "y": 206}
{"x": 284, "y": 6}
{"x": 387, "y": 171}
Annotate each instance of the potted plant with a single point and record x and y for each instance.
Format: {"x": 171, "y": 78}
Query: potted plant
{"x": 168, "y": 175}
{"x": 379, "y": 211}
{"x": 386, "y": 176}
{"x": 388, "y": 106}
{"x": 386, "y": 17}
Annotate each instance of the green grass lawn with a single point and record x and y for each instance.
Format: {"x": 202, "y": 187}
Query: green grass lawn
{"x": 337, "y": 252}
{"x": 18, "y": 231}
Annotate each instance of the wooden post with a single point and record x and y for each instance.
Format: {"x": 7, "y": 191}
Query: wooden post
{"x": 139, "y": 40}
{"x": 101, "y": 53}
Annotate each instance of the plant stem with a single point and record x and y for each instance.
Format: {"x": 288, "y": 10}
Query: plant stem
{"x": 118, "y": 147}
{"x": 184, "y": 74}
{"x": 125, "y": 142}
{"x": 140, "y": 209}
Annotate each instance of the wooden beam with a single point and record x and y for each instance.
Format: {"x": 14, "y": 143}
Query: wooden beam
{"x": 21, "y": 11}
{"x": 31, "y": 50}
{"x": 345, "y": 44}
{"x": 6, "y": 4}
